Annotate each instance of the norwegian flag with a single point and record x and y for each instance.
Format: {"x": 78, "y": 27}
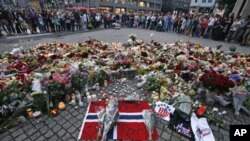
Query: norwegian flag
{"x": 130, "y": 125}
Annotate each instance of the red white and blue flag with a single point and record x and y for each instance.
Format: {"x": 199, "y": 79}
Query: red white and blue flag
{"x": 130, "y": 125}
{"x": 164, "y": 110}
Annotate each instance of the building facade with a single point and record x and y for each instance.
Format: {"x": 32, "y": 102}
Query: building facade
{"x": 119, "y": 6}
{"x": 181, "y": 5}
{"x": 201, "y": 6}
{"x": 241, "y": 8}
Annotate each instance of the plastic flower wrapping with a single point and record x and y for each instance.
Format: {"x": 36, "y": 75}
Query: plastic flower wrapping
{"x": 150, "y": 121}
{"x": 110, "y": 118}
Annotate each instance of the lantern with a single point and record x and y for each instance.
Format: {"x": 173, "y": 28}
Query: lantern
{"x": 29, "y": 113}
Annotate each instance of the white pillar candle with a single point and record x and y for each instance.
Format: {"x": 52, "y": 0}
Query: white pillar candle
{"x": 94, "y": 97}
{"x": 89, "y": 98}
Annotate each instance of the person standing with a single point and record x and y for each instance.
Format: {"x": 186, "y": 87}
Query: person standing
{"x": 208, "y": 31}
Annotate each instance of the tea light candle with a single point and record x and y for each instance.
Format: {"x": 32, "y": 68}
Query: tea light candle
{"x": 30, "y": 113}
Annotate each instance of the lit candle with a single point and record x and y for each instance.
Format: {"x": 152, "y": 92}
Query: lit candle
{"x": 53, "y": 112}
{"x": 30, "y": 112}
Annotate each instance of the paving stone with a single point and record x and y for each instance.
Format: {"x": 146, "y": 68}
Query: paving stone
{"x": 56, "y": 128}
{"x": 35, "y": 136}
{"x": 53, "y": 138}
{"x": 161, "y": 126}
{"x": 66, "y": 125}
{"x": 67, "y": 117}
{"x": 2, "y": 135}
{"x": 21, "y": 137}
{"x": 184, "y": 139}
{"x": 73, "y": 120}
{"x": 62, "y": 121}
{"x": 228, "y": 118}
{"x": 166, "y": 135}
{"x": 7, "y": 138}
{"x": 71, "y": 129}
{"x": 161, "y": 139}
{"x": 17, "y": 133}
{"x": 72, "y": 110}
{"x": 41, "y": 138}
{"x": 13, "y": 129}
{"x": 39, "y": 125}
{"x": 75, "y": 134}
{"x": 44, "y": 129}
{"x": 52, "y": 124}
{"x": 75, "y": 113}
{"x": 27, "y": 127}
{"x": 217, "y": 135}
{"x": 71, "y": 139}
{"x": 30, "y": 131}
{"x": 176, "y": 134}
{"x": 57, "y": 118}
{"x": 66, "y": 137}
{"x": 78, "y": 124}
{"x": 214, "y": 128}
{"x": 48, "y": 121}
{"x": 61, "y": 132}
{"x": 80, "y": 117}
{"x": 224, "y": 132}
{"x": 64, "y": 113}
{"x": 226, "y": 138}
{"x": 175, "y": 138}
{"x": 159, "y": 131}
{"x": 49, "y": 134}
{"x": 168, "y": 130}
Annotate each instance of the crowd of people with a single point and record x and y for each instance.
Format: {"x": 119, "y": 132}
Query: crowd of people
{"x": 216, "y": 27}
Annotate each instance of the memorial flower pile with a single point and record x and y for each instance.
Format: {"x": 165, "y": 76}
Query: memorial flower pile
{"x": 168, "y": 70}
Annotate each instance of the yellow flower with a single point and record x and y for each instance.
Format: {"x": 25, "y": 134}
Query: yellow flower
{"x": 91, "y": 74}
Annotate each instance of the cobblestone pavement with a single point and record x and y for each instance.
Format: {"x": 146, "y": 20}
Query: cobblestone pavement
{"x": 112, "y": 35}
{"x": 66, "y": 126}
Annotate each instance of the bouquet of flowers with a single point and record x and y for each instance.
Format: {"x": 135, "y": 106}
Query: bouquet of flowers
{"x": 214, "y": 80}
{"x": 110, "y": 118}
{"x": 150, "y": 121}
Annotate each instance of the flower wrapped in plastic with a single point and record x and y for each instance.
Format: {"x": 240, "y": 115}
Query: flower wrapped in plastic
{"x": 100, "y": 115}
{"x": 111, "y": 116}
{"x": 150, "y": 121}
{"x": 239, "y": 96}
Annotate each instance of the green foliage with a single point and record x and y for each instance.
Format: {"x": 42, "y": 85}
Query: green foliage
{"x": 39, "y": 102}
{"x": 153, "y": 84}
{"x": 247, "y": 102}
{"x": 100, "y": 77}
{"x": 55, "y": 89}
{"x": 78, "y": 81}
{"x": 133, "y": 37}
{"x": 232, "y": 48}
